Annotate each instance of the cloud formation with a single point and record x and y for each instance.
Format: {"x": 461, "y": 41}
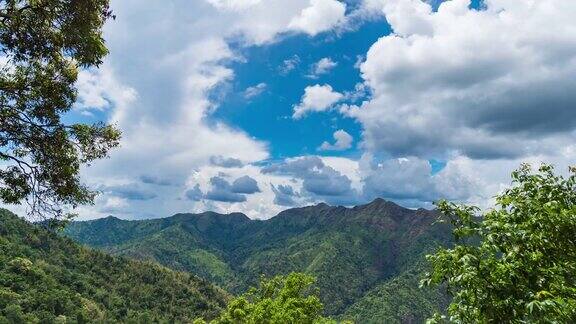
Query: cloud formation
{"x": 323, "y": 66}
{"x": 343, "y": 142}
{"x": 480, "y": 100}
{"x": 234, "y": 5}
{"x": 284, "y": 195}
{"x": 320, "y": 16}
{"x": 318, "y": 179}
{"x": 222, "y": 191}
{"x": 316, "y": 98}
{"x": 255, "y": 91}
{"x": 245, "y": 185}
{"x": 194, "y": 194}
{"x": 219, "y": 160}
{"x": 289, "y": 64}
{"x": 442, "y": 85}
{"x": 130, "y": 191}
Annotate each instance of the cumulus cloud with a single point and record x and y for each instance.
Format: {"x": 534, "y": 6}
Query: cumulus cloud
{"x": 233, "y": 4}
{"x": 481, "y": 99}
{"x": 99, "y": 89}
{"x": 284, "y": 195}
{"x": 318, "y": 179}
{"x": 129, "y": 191}
{"x": 440, "y": 84}
{"x": 411, "y": 179}
{"x": 113, "y": 205}
{"x": 316, "y": 98}
{"x": 194, "y": 194}
{"x": 245, "y": 185}
{"x": 156, "y": 180}
{"x": 289, "y": 64}
{"x": 323, "y": 66}
{"x": 320, "y": 16}
{"x": 222, "y": 191}
{"x": 343, "y": 142}
{"x": 219, "y": 160}
{"x": 160, "y": 93}
{"x": 255, "y": 91}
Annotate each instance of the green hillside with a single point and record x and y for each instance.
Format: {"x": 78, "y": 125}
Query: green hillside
{"x": 398, "y": 300}
{"x": 356, "y": 253}
{"x": 45, "y": 278}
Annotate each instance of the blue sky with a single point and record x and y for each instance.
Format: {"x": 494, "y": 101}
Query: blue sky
{"x": 261, "y": 105}
{"x": 267, "y": 116}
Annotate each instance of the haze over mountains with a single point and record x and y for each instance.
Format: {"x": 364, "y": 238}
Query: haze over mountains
{"x": 368, "y": 259}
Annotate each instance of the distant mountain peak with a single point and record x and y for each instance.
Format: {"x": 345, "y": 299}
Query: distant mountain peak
{"x": 380, "y": 203}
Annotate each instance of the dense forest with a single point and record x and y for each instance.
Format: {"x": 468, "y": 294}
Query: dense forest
{"x": 45, "y": 278}
{"x": 360, "y": 256}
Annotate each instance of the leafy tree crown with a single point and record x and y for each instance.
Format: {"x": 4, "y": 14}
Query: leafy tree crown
{"x": 44, "y": 43}
{"x": 516, "y": 263}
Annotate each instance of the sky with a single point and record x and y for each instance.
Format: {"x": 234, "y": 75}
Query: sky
{"x": 257, "y": 106}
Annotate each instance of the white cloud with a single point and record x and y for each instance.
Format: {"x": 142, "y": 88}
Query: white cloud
{"x": 289, "y": 64}
{"x": 257, "y": 205}
{"x": 167, "y": 128}
{"x": 99, "y": 89}
{"x": 410, "y": 180}
{"x": 441, "y": 84}
{"x": 343, "y": 142}
{"x": 440, "y": 87}
{"x": 320, "y": 16}
{"x": 323, "y": 66}
{"x": 234, "y": 4}
{"x": 166, "y": 135}
{"x": 160, "y": 94}
{"x": 255, "y": 91}
{"x": 316, "y": 98}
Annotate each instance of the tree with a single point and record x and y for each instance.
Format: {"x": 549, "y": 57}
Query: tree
{"x": 516, "y": 263}
{"x": 44, "y": 43}
{"x": 289, "y": 299}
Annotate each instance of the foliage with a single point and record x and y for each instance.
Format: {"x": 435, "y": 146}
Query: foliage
{"x": 43, "y": 44}
{"x": 517, "y": 263}
{"x": 398, "y": 300}
{"x": 350, "y": 251}
{"x": 289, "y": 299}
{"x": 45, "y": 278}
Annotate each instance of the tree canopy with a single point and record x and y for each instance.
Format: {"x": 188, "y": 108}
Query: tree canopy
{"x": 282, "y": 299}
{"x": 46, "y": 278}
{"x": 517, "y": 262}
{"x": 44, "y": 43}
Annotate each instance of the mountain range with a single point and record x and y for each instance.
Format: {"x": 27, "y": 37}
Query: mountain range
{"x": 367, "y": 259}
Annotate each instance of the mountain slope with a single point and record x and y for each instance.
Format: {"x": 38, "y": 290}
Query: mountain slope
{"x": 47, "y": 278}
{"x": 398, "y": 300}
{"x": 350, "y": 250}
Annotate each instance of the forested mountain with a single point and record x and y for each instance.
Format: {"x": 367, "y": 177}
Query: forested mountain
{"x": 368, "y": 259}
{"x": 46, "y": 278}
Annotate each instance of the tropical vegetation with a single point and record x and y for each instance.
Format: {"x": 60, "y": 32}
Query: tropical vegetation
{"x": 516, "y": 263}
{"x": 45, "y": 278}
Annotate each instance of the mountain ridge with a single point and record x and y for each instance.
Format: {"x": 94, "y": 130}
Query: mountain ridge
{"x": 350, "y": 250}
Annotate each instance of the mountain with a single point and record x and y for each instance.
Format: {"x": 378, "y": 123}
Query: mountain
{"x": 356, "y": 253}
{"x": 46, "y": 278}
